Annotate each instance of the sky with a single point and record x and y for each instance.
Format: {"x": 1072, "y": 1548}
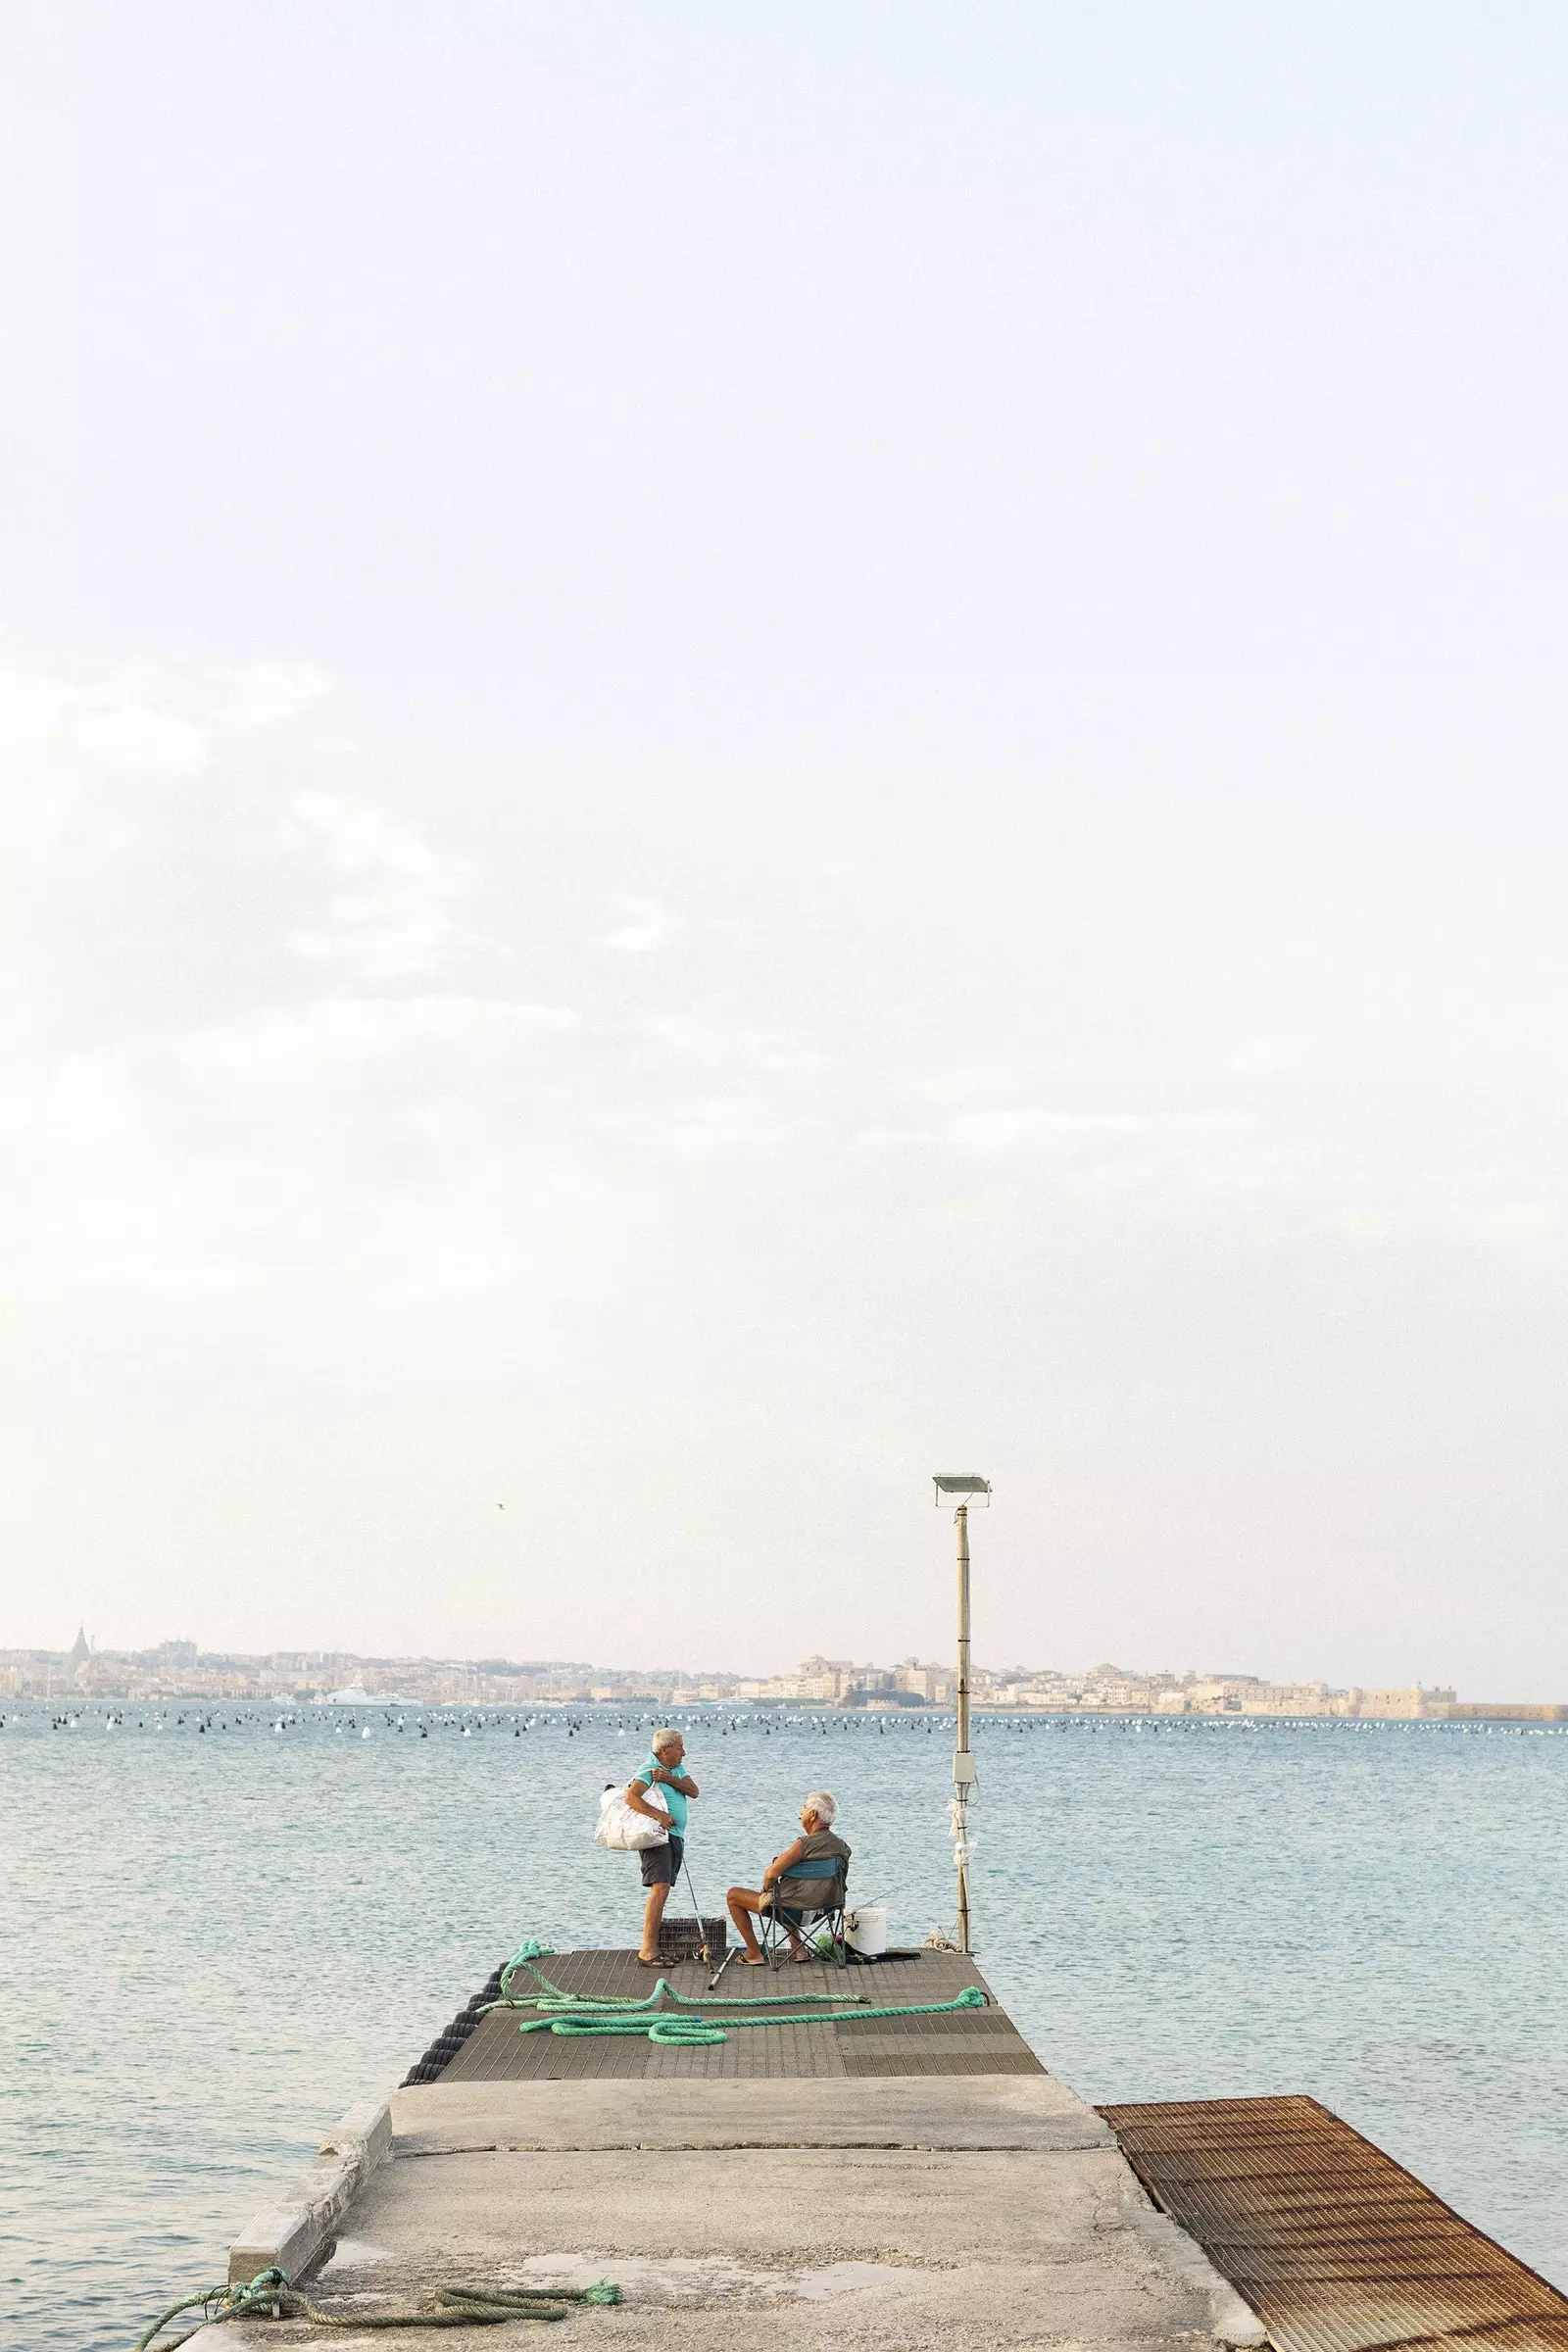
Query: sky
{"x": 748, "y": 752}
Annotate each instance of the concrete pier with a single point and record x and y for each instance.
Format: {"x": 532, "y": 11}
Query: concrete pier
{"x": 897, "y": 2184}
{"x": 866, "y": 2184}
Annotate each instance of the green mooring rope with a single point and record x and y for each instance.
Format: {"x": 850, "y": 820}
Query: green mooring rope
{"x": 269, "y": 2296}
{"x": 580, "y": 2019}
{"x": 693, "y": 2033}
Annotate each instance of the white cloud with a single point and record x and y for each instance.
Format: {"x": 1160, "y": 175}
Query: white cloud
{"x": 30, "y": 705}
{"x": 871, "y": 1140}
{"x": 133, "y": 719}
{"x": 388, "y": 1131}
{"x": 1127, "y": 1150}
{"x": 303, "y": 1040}
{"x": 1266, "y": 1055}
{"x": 746, "y": 1124}
{"x": 146, "y": 719}
{"x": 265, "y": 694}
{"x": 956, "y": 1089}
{"x": 998, "y": 1130}
{"x": 645, "y": 926}
{"x": 137, "y": 741}
{"x": 402, "y": 919}
{"x": 677, "y": 1038}
{"x": 1532, "y": 1237}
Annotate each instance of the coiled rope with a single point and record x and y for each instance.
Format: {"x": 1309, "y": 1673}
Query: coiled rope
{"x": 579, "y": 2017}
{"x": 269, "y": 2296}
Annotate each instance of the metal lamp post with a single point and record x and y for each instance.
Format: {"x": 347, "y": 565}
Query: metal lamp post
{"x": 963, "y": 1772}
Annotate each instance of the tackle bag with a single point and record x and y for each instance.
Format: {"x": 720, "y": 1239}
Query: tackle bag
{"x": 620, "y": 1831}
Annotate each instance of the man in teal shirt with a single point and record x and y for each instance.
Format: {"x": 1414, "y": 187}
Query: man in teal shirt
{"x": 662, "y": 1863}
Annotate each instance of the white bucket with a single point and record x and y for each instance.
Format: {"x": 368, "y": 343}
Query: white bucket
{"x": 866, "y": 1930}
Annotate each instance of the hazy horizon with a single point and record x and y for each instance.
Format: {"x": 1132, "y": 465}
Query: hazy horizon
{"x": 885, "y": 1658}
{"x": 748, "y": 754}
{"x": 884, "y": 1655}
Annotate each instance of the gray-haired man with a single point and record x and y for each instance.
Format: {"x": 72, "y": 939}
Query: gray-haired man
{"x": 662, "y": 1863}
{"x": 788, "y": 1897}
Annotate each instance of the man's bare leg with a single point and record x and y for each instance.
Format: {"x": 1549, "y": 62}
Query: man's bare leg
{"x": 654, "y": 1920}
{"x": 743, "y": 1903}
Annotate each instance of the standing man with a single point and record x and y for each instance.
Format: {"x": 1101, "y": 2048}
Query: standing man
{"x": 662, "y": 1863}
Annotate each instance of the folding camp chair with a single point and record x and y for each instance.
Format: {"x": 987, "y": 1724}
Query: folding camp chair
{"x": 775, "y": 1919}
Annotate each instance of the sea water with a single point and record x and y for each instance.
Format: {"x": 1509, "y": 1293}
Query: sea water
{"x": 221, "y": 1926}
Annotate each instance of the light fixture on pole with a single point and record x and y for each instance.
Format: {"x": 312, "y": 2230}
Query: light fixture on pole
{"x": 963, "y": 1772}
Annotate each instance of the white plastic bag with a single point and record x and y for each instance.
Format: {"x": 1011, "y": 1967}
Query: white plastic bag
{"x": 620, "y": 1831}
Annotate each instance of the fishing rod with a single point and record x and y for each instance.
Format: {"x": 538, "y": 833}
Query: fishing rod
{"x": 702, "y": 1924}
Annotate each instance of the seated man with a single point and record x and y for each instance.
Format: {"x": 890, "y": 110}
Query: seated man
{"x": 784, "y": 1895}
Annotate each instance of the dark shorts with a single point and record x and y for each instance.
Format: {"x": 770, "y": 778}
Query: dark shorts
{"x": 662, "y": 1863}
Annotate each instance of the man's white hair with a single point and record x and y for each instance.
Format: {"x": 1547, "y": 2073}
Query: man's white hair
{"x": 825, "y": 1807}
{"x": 663, "y": 1740}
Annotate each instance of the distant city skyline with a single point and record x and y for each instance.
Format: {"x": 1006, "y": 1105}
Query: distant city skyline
{"x": 177, "y": 1667}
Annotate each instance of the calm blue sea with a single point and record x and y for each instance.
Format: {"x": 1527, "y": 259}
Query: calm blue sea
{"x": 211, "y": 1941}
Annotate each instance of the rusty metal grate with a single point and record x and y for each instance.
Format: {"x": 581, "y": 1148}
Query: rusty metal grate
{"x": 1335, "y": 2246}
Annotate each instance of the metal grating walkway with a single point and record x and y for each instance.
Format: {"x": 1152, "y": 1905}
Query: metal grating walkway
{"x": 965, "y": 2042}
{"x": 1335, "y": 2246}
